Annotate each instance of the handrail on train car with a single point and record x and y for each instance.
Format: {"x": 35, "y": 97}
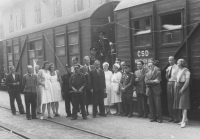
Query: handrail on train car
{"x": 183, "y": 43}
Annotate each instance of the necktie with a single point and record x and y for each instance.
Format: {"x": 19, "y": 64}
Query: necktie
{"x": 170, "y": 73}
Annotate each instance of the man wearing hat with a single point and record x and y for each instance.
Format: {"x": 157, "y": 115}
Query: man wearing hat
{"x": 127, "y": 83}
{"x": 77, "y": 84}
{"x": 94, "y": 56}
{"x": 65, "y": 90}
{"x": 105, "y": 49}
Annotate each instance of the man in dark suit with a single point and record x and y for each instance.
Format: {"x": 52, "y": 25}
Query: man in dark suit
{"x": 86, "y": 70}
{"x": 127, "y": 91}
{"x": 153, "y": 91}
{"x": 141, "y": 90}
{"x": 98, "y": 88}
{"x": 65, "y": 90}
{"x": 13, "y": 81}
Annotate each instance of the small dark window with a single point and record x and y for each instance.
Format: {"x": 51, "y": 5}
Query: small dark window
{"x": 171, "y": 28}
{"x": 36, "y": 49}
{"x": 142, "y": 32}
{"x": 9, "y": 50}
{"x": 16, "y": 52}
{"x": 73, "y": 43}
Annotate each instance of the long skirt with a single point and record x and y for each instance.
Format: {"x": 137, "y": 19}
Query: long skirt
{"x": 181, "y": 101}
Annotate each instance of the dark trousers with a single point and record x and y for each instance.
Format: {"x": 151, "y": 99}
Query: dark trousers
{"x": 13, "y": 96}
{"x": 127, "y": 100}
{"x": 100, "y": 102}
{"x": 31, "y": 100}
{"x": 142, "y": 105}
{"x": 155, "y": 106}
{"x": 173, "y": 113}
{"x": 68, "y": 99}
{"x": 78, "y": 99}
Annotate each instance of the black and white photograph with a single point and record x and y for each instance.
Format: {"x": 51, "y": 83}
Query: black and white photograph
{"x": 99, "y": 69}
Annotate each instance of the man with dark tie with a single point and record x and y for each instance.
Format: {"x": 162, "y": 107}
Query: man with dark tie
{"x": 141, "y": 90}
{"x": 86, "y": 70}
{"x": 98, "y": 88}
{"x": 30, "y": 91}
{"x": 13, "y": 81}
{"x": 65, "y": 90}
{"x": 171, "y": 74}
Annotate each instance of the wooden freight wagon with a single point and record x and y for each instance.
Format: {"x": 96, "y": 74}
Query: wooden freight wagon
{"x": 59, "y": 40}
{"x": 158, "y": 29}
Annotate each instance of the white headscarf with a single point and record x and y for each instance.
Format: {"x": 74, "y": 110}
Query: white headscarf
{"x": 105, "y": 63}
{"x": 117, "y": 65}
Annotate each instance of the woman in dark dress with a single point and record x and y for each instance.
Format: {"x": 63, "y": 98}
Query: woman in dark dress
{"x": 182, "y": 92}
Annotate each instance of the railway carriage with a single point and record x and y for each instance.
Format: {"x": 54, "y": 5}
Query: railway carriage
{"x": 158, "y": 29}
{"x": 58, "y": 41}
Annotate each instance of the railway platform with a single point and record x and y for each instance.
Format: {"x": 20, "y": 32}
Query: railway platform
{"x": 111, "y": 127}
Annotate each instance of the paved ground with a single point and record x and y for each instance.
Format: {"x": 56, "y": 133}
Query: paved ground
{"x": 111, "y": 126}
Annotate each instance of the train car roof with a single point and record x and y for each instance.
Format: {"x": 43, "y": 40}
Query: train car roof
{"x": 130, "y": 3}
{"x": 81, "y": 15}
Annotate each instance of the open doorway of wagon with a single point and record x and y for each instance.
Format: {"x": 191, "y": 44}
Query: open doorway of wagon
{"x": 103, "y": 33}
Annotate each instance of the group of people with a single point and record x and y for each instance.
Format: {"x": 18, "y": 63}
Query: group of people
{"x": 87, "y": 84}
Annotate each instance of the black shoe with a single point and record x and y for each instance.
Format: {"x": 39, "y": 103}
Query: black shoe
{"x": 125, "y": 114}
{"x": 22, "y": 113}
{"x": 28, "y": 118}
{"x": 171, "y": 120}
{"x": 159, "y": 121}
{"x": 130, "y": 115}
{"x": 153, "y": 120}
{"x": 175, "y": 121}
{"x": 14, "y": 113}
{"x": 85, "y": 118}
{"x": 69, "y": 116}
{"x": 74, "y": 118}
{"x": 94, "y": 116}
{"x": 39, "y": 112}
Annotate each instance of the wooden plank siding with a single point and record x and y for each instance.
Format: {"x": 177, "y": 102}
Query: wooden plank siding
{"x": 24, "y": 59}
{"x": 123, "y": 36}
{"x": 5, "y": 56}
{"x": 61, "y": 61}
{"x": 85, "y": 34}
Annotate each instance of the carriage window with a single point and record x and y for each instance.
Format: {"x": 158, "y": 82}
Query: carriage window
{"x": 36, "y": 49}
{"x": 9, "y": 50}
{"x": 142, "y": 32}
{"x": 60, "y": 45}
{"x": 16, "y": 52}
{"x": 171, "y": 28}
{"x": 73, "y": 43}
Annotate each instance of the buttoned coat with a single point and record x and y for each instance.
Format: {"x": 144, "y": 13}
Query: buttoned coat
{"x": 128, "y": 82}
{"x": 151, "y": 86}
{"x": 97, "y": 83}
{"x": 9, "y": 82}
{"x": 140, "y": 84}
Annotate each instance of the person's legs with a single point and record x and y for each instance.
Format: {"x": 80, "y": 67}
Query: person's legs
{"x": 101, "y": 107}
{"x": 75, "y": 104}
{"x": 152, "y": 107}
{"x": 95, "y": 102}
{"x": 27, "y": 103}
{"x": 170, "y": 99}
{"x": 184, "y": 114}
{"x": 139, "y": 105}
{"x": 49, "y": 110}
{"x": 82, "y": 104}
{"x": 157, "y": 101}
{"x": 19, "y": 103}
{"x": 33, "y": 105}
{"x": 68, "y": 99}
{"x": 53, "y": 107}
{"x": 12, "y": 102}
{"x": 43, "y": 110}
{"x": 130, "y": 104}
{"x": 144, "y": 105}
{"x": 56, "y": 108}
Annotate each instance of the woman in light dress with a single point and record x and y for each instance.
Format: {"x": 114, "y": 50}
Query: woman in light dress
{"x": 182, "y": 92}
{"x": 56, "y": 84}
{"x": 108, "y": 76}
{"x": 45, "y": 85}
{"x": 115, "y": 88}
